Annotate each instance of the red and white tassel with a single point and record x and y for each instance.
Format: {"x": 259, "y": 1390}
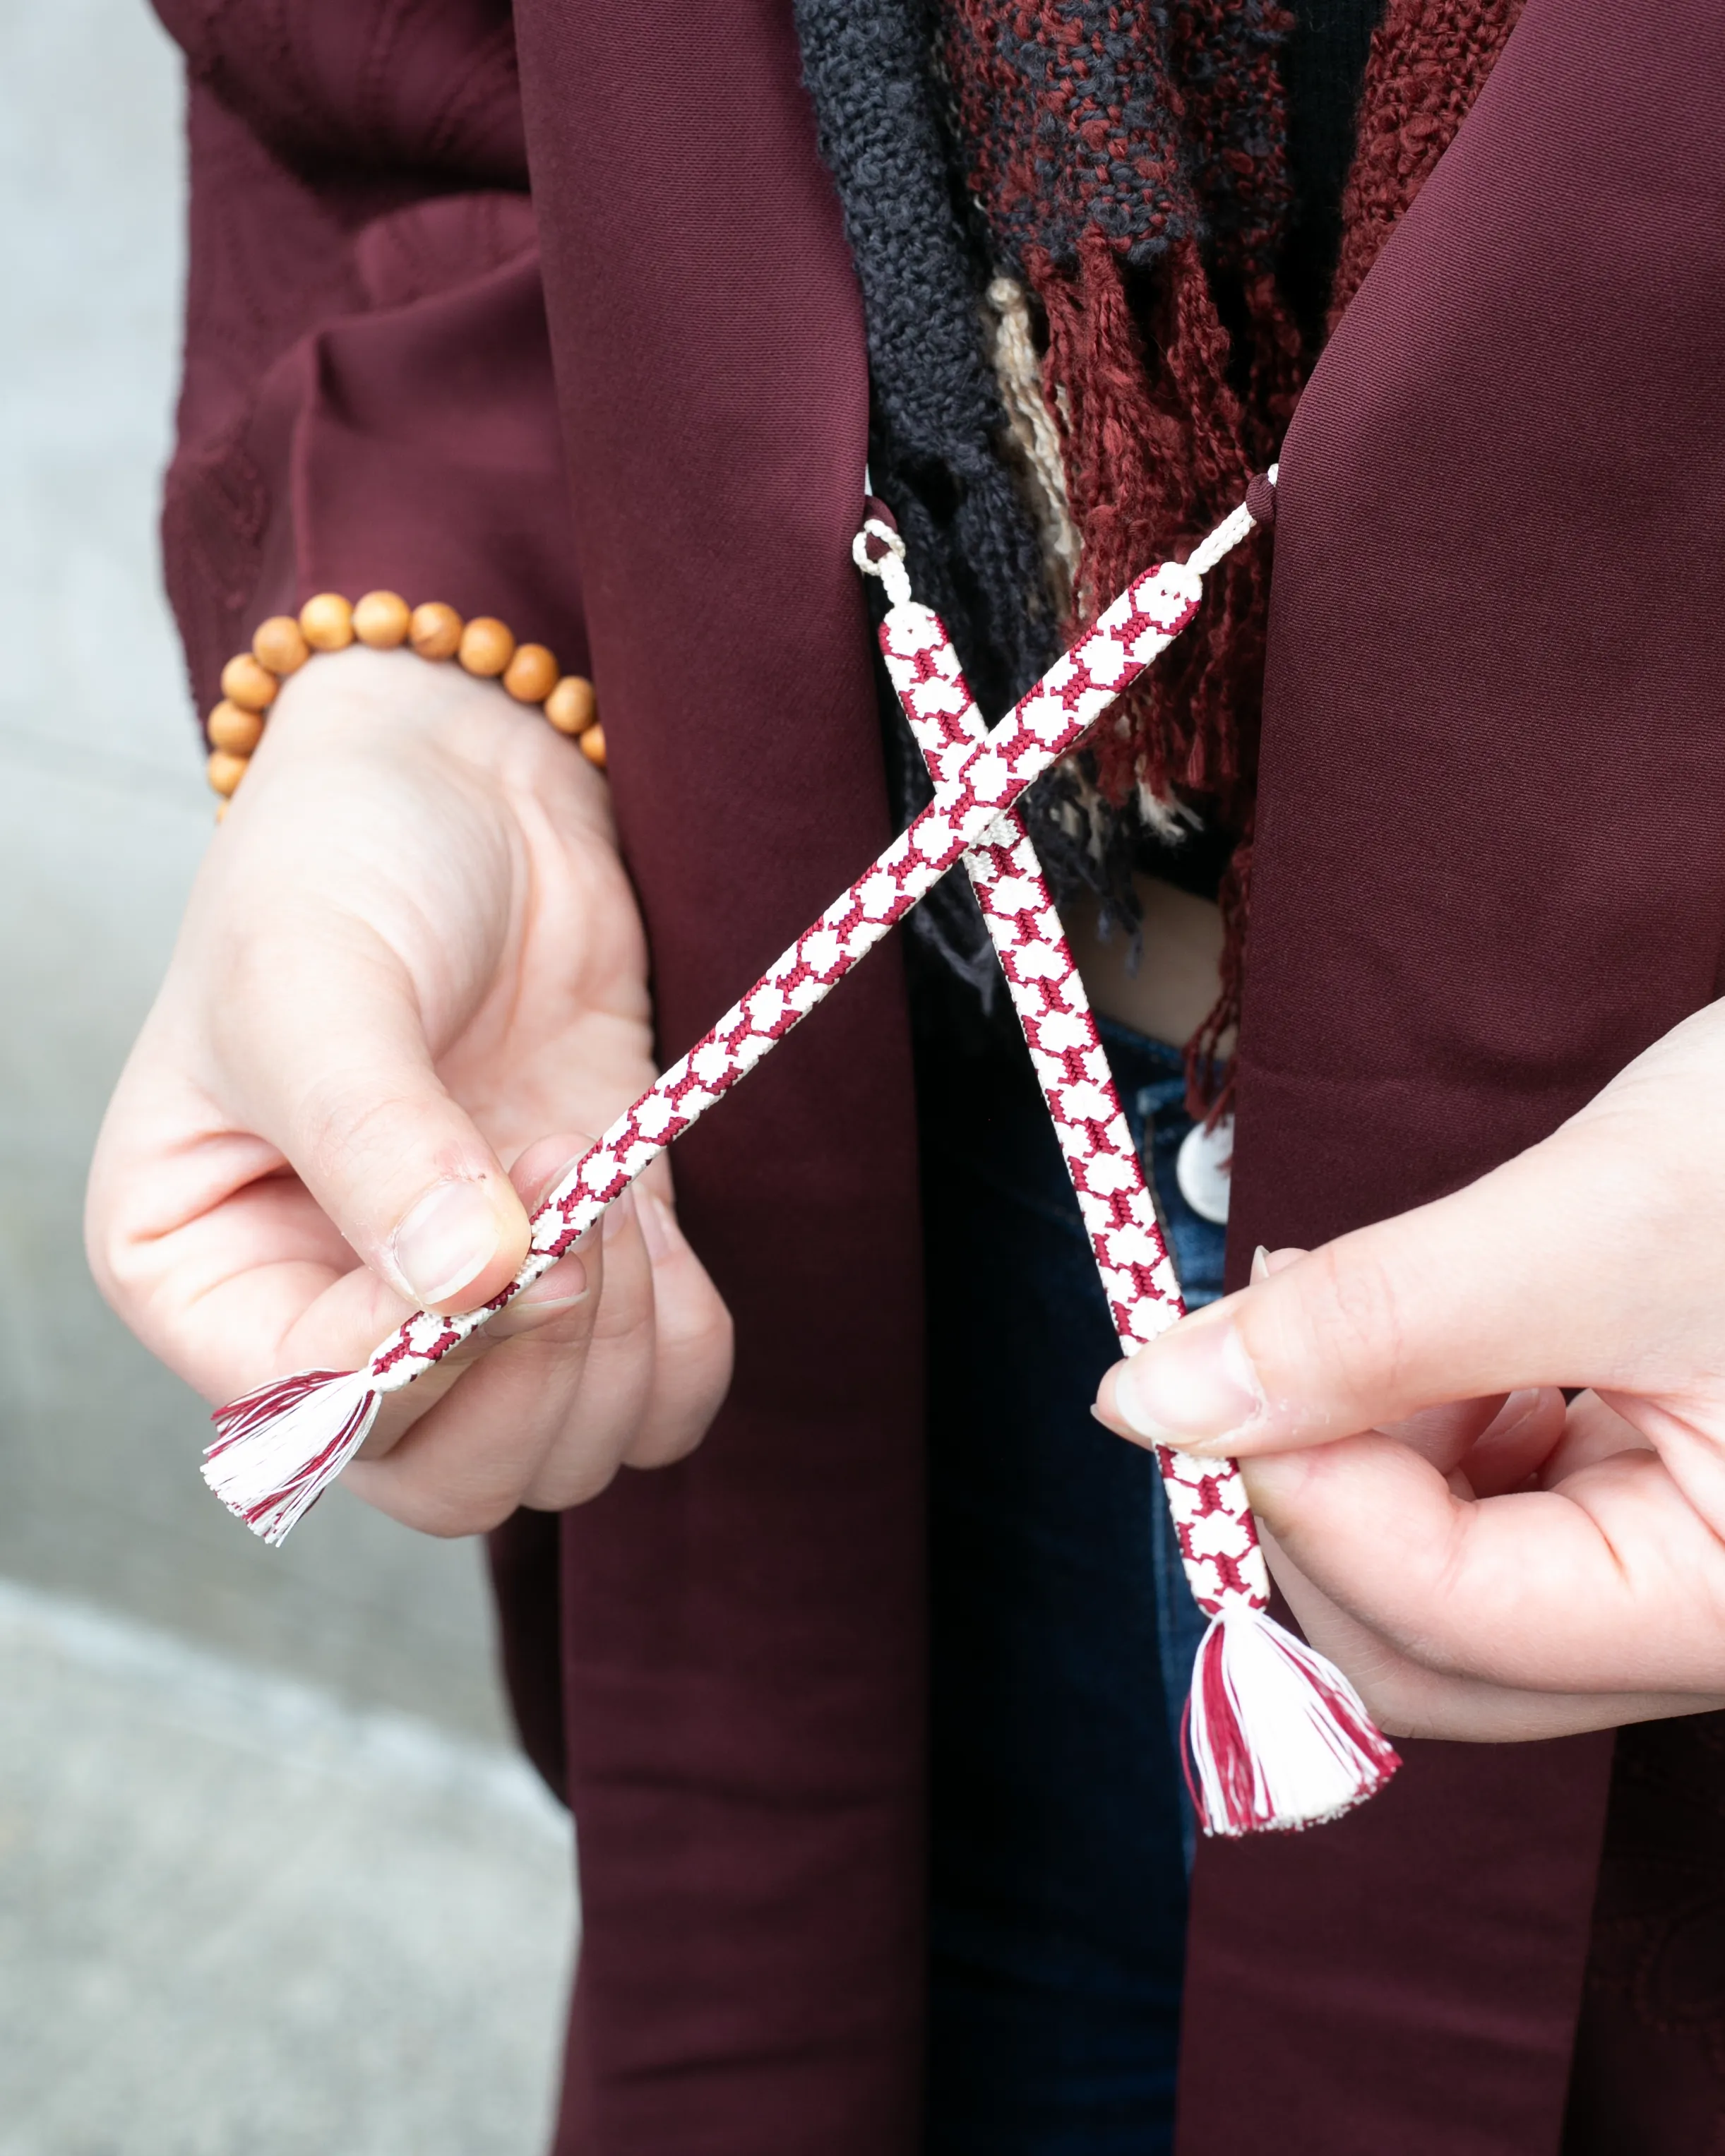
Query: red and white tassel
{"x": 1275, "y": 1737}
{"x": 281, "y": 1446}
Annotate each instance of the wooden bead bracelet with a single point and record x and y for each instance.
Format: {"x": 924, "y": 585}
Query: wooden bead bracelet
{"x": 252, "y": 680}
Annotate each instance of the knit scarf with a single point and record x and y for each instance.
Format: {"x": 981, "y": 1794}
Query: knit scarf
{"x": 1122, "y": 165}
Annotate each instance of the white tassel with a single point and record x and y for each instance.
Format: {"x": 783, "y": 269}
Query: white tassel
{"x": 1275, "y": 1736}
{"x": 281, "y": 1446}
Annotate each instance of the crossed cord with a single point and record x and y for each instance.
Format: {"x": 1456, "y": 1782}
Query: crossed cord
{"x": 280, "y": 1446}
{"x": 1212, "y": 1515}
{"x": 1274, "y": 1735}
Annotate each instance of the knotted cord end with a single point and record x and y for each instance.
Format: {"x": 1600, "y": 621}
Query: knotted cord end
{"x": 1260, "y": 496}
{"x": 878, "y": 551}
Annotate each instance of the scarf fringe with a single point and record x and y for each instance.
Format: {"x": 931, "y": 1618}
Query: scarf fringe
{"x": 1169, "y": 134}
{"x": 1156, "y": 442}
{"x": 1429, "y": 61}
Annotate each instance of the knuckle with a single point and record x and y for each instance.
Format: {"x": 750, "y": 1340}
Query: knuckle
{"x": 106, "y": 1252}
{"x": 453, "y": 1514}
{"x": 575, "y": 1477}
{"x": 625, "y": 1317}
{"x": 253, "y": 976}
{"x": 1398, "y": 1705}
{"x": 1425, "y": 1627}
{"x": 1360, "y": 1323}
{"x": 340, "y": 1130}
{"x": 668, "y": 1442}
{"x": 1340, "y": 1328}
{"x": 706, "y": 1340}
{"x": 126, "y": 1261}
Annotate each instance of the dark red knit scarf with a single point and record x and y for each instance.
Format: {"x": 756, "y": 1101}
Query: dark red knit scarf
{"x": 1128, "y": 158}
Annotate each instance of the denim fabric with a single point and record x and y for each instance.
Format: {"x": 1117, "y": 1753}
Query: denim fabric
{"x": 1062, "y": 1637}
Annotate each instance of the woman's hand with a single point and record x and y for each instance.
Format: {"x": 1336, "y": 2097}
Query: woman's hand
{"x": 411, "y": 984}
{"x": 1484, "y": 1561}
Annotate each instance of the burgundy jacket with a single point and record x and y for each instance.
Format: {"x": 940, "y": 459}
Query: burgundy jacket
{"x": 577, "y": 341}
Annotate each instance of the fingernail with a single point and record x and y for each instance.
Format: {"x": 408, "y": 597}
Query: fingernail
{"x": 659, "y": 1229}
{"x": 560, "y": 1289}
{"x": 447, "y": 1239}
{"x": 1515, "y": 1411}
{"x": 1260, "y": 1265}
{"x": 616, "y": 1216}
{"x": 1194, "y": 1386}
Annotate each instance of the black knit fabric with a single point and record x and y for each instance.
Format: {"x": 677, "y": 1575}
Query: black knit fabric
{"x": 1323, "y": 66}
{"x": 938, "y": 430}
{"x": 937, "y": 425}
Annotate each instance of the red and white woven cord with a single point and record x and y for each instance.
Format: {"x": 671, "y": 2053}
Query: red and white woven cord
{"x": 1273, "y": 1735}
{"x": 253, "y": 1466}
{"x": 1213, "y": 1518}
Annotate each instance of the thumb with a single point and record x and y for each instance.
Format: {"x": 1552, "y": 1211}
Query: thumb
{"x": 329, "y": 1048}
{"x": 1496, "y": 1288}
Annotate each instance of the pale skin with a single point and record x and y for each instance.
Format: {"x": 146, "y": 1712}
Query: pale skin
{"x": 412, "y": 980}
{"x": 411, "y": 983}
{"x": 1484, "y": 1561}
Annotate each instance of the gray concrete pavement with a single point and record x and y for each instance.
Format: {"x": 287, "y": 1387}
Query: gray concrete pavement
{"x": 236, "y": 1919}
{"x": 394, "y": 1985}
{"x": 103, "y": 819}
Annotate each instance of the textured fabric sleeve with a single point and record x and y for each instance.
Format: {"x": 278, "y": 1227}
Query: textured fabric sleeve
{"x": 368, "y": 396}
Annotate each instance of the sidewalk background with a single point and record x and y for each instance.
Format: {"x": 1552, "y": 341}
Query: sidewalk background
{"x": 428, "y": 1899}
{"x": 239, "y": 1919}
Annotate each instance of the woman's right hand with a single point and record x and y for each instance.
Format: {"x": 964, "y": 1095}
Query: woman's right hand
{"x": 411, "y": 984}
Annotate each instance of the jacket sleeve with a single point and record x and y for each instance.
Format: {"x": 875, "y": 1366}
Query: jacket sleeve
{"x": 367, "y": 399}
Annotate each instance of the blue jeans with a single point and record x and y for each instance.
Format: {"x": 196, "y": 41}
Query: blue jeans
{"x": 1062, "y": 1640}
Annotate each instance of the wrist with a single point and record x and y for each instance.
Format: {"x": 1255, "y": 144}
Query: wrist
{"x": 480, "y": 653}
{"x": 388, "y": 696}
{"x": 370, "y": 750}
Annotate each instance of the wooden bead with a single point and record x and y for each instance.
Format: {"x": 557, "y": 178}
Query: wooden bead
{"x": 531, "y": 674}
{"x": 380, "y": 619}
{"x": 434, "y": 630}
{"x": 486, "y": 646}
{"x": 224, "y": 770}
{"x": 246, "y": 683}
{"x": 234, "y": 728}
{"x": 327, "y": 622}
{"x": 591, "y": 745}
{"x": 279, "y": 646}
{"x": 572, "y": 708}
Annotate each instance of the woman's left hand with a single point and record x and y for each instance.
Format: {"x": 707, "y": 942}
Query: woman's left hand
{"x": 1485, "y": 1561}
